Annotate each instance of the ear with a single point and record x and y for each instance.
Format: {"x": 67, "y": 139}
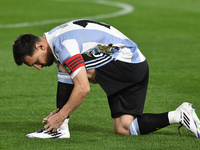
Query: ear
{"x": 40, "y": 46}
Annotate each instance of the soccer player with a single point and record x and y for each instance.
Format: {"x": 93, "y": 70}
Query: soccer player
{"x": 85, "y": 49}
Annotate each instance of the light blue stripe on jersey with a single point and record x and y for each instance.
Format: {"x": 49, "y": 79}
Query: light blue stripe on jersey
{"x": 88, "y": 35}
{"x": 83, "y": 36}
{"x": 134, "y": 128}
{"x": 64, "y": 78}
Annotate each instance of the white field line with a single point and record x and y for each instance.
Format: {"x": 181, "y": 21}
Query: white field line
{"x": 126, "y": 9}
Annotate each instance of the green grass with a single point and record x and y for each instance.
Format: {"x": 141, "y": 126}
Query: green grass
{"x": 167, "y": 32}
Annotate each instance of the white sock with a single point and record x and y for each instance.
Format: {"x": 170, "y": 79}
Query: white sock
{"x": 174, "y": 117}
{"x": 64, "y": 126}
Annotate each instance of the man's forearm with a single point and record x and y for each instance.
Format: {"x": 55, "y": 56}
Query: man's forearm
{"x": 79, "y": 92}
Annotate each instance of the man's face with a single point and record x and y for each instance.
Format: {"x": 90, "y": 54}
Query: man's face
{"x": 41, "y": 58}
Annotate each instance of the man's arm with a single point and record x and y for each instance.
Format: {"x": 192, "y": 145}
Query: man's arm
{"x": 79, "y": 92}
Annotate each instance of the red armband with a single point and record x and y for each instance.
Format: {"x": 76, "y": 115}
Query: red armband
{"x": 74, "y": 63}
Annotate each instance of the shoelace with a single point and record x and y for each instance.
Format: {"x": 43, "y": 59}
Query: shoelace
{"x": 179, "y": 129}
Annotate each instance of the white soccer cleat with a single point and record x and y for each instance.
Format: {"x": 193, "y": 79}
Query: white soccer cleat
{"x": 189, "y": 118}
{"x": 44, "y": 134}
{"x": 62, "y": 132}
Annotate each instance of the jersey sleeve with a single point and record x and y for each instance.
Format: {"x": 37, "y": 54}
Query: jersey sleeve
{"x": 68, "y": 53}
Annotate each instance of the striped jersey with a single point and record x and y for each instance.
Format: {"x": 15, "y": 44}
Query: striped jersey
{"x": 71, "y": 39}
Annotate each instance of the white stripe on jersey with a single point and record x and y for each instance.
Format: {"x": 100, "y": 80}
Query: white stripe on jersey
{"x": 72, "y": 46}
{"x": 100, "y": 61}
{"x": 87, "y": 46}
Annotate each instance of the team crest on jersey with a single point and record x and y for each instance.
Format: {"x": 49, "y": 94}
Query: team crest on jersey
{"x": 102, "y": 49}
{"x": 105, "y": 48}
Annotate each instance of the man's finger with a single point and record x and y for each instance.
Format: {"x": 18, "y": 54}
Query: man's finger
{"x": 50, "y": 129}
{"x": 54, "y": 130}
{"x": 46, "y": 126}
{"x": 44, "y": 120}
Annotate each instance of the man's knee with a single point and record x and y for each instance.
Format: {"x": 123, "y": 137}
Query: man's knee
{"x": 121, "y": 130}
{"x": 122, "y": 123}
{"x": 117, "y": 130}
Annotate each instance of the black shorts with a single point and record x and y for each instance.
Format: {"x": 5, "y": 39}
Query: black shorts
{"x": 125, "y": 85}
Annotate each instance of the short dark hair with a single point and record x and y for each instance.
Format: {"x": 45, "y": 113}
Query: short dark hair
{"x": 24, "y": 45}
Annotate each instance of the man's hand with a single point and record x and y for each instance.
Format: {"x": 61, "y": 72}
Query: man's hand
{"x": 54, "y": 122}
{"x": 51, "y": 114}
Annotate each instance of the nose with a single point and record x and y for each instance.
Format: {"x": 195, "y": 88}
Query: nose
{"x": 37, "y": 66}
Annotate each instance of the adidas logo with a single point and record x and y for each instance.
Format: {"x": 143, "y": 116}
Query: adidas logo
{"x": 186, "y": 120}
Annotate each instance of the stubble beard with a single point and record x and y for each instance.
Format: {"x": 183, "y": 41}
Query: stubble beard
{"x": 50, "y": 59}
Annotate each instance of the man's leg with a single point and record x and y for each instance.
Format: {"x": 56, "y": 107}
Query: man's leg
{"x": 63, "y": 93}
{"x": 147, "y": 123}
{"x": 127, "y": 124}
{"x": 150, "y": 122}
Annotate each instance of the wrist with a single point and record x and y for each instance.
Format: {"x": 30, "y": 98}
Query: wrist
{"x": 62, "y": 114}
